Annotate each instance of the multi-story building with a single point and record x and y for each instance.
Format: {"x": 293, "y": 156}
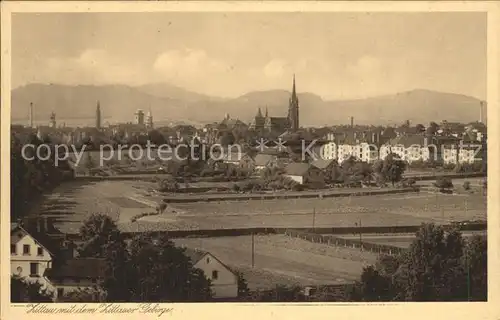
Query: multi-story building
{"x": 29, "y": 259}
{"x": 408, "y": 147}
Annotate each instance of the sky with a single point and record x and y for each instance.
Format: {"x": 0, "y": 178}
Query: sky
{"x": 336, "y": 55}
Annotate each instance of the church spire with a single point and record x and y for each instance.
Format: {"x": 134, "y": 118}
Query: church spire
{"x": 98, "y": 115}
{"x": 293, "y": 109}
{"x": 259, "y": 113}
{"x": 267, "y": 113}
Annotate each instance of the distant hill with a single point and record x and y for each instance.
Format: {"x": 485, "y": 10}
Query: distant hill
{"x": 173, "y": 104}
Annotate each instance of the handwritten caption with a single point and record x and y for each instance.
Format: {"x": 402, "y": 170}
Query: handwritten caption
{"x": 103, "y": 308}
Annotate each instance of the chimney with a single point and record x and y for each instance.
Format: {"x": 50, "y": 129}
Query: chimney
{"x": 352, "y": 122}
{"x": 31, "y": 114}
{"x": 481, "y": 105}
{"x": 373, "y": 137}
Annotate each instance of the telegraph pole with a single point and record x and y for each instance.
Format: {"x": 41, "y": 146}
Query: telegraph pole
{"x": 360, "y": 235}
{"x": 314, "y": 217}
{"x": 253, "y": 250}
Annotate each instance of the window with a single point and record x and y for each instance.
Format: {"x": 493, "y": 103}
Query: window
{"x": 215, "y": 274}
{"x": 33, "y": 269}
{"x": 60, "y": 292}
{"x": 208, "y": 260}
{"x": 13, "y": 249}
{"x": 26, "y": 249}
{"x": 40, "y": 251}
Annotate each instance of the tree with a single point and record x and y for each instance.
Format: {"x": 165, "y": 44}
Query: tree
{"x": 433, "y": 266}
{"x": 390, "y": 169}
{"x": 476, "y": 266}
{"x": 439, "y": 266}
{"x": 419, "y": 128}
{"x": 466, "y": 185}
{"x": 443, "y": 183}
{"x": 159, "y": 271}
{"x": 394, "y": 168}
{"x": 22, "y": 290}
{"x": 168, "y": 185}
{"x": 432, "y": 128}
{"x": 102, "y": 239}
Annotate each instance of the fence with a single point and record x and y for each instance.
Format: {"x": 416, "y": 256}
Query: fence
{"x": 341, "y": 242}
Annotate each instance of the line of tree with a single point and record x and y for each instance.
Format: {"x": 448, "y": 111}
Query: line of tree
{"x": 30, "y": 178}
{"x": 440, "y": 265}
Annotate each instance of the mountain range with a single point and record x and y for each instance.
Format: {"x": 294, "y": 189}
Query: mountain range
{"x": 169, "y": 103}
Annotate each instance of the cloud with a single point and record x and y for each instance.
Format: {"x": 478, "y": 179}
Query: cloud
{"x": 183, "y": 65}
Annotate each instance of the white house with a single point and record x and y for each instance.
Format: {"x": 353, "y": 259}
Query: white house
{"x": 224, "y": 280}
{"x": 329, "y": 151}
{"x": 454, "y": 155}
{"x": 408, "y": 147}
{"x": 29, "y": 259}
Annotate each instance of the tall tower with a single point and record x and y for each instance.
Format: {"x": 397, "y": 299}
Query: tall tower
{"x": 98, "y": 116}
{"x": 139, "y": 117}
{"x": 31, "y": 115}
{"x": 293, "y": 109}
{"x": 481, "y": 106}
{"x": 52, "y": 122}
{"x": 149, "y": 119}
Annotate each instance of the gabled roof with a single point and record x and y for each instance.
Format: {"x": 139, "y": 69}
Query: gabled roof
{"x": 297, "y": 168}
{"x": 83, "y": 268}
{"x": 16, "y": 226}
{"x": 196, "y": 255}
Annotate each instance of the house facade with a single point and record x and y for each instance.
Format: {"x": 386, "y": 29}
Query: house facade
{"x": 29, "y": 259}
{"x": 224, "y": 281}
{"x": 408, "y": 148}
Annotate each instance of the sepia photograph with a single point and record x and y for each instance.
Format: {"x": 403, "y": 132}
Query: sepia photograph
{"x": 247, "y": 157}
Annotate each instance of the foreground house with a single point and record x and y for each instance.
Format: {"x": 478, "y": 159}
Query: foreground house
{"x": 224, "y": 280}
{"x": 304, "y": 173}
{"x": 29, "y": 259}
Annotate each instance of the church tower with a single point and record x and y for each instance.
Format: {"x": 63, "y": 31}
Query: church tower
{"x": 293, "y": 109}
{"x": 98, "y": 116}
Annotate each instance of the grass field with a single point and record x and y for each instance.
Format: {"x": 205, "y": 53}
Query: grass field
{"x": 398, "y": 240}
{"x": 72, "y": 202}
{"x": 384, "y": 210}
{"x": 283, "y": 260}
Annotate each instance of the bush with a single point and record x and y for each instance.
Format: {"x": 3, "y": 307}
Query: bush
{"x": 168, "y": 185}
{"x": 443, "y": 183}
{"x": 466, "y": 185}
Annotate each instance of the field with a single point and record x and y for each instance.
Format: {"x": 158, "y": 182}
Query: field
{"x": 72, "y": 202}
{"x": 384, "y": 210}
{"x": 398, "y": 240}
{"x": 283, "y": 260}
